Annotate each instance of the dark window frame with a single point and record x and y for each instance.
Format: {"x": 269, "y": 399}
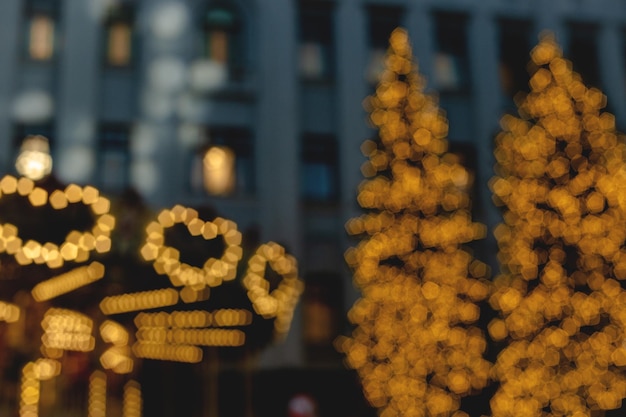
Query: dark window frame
{"x": 235, "y": 32}
{"x": 451, "y": 40}
{"x": 109, "y": 142}
{"x": 31, "y": 9}
{"x": 316, "y": 25}
{"x": 120, "y": 13}
{"x": 319, "y": 149}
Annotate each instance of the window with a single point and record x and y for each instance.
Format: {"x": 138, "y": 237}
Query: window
{"x": 322, "y": 309}
{"x": 39, "y": 35}
{"x": 113, "y": 158}
{"x": 118, "y": 36}
{"x": 229, "y": 152}
{"x": 319, "y": 171}
{"x": 316, "y": 41}
{"x": 381, "y": 22}
{"x": 21, "y": 131}
{"x": 583, "y": 52}
{"x": 451, "y": 62}
{"x": 514, "y": 51}
{"x": 223, "y": 38}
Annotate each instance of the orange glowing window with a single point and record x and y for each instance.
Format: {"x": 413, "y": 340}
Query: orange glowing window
{"x": 222, "y": 37}
{"x": 118, "y": 36}
{"x": 119, "y": 45}
{"x": 217, "y": 44}
{"x": 40, "y": 37}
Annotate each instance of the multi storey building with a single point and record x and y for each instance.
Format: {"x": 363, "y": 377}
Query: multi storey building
{"x": 132, "y": 93}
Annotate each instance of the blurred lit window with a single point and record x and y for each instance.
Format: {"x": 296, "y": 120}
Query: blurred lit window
{"x": 316, "y": 41}
{"x": 381, "y": 22}
{"x": 39, "y": 31}
{"x": 319, "y": 172}
{"x": 222, "y": 39}
{"x": 451, "y": 61}
{"x": 583, "y": 52}
{"x": 113, "y": 157}
{"x": 322, "y": 309}
{"x": 514, "y": 50}
{"x": 224, "y": 165}
{"x": 118, "y": 36}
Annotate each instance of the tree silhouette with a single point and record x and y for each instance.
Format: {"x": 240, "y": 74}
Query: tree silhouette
{"x": 414, "y": 346}
{"x": 559, "y": 177}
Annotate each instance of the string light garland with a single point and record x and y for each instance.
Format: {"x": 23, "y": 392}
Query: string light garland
{"x": 415, "y": 345}
{"x": 559, "y": 177}
{"x": 77, "y": 244}
{"x": 166, "y": 259}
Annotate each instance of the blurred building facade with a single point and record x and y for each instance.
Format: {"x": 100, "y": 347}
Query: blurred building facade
{"x": 132, "y": 93}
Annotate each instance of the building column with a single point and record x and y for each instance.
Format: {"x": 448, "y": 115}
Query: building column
{"x": 277, "y": 147}
{"x": 483, "y": 50}
{"x": 352, "y": 129}
{"x": 77, "y": 99}
{"x": 10, "y": 25}
{"x": 612, "y": 69}
{"x": 158, "y": 168}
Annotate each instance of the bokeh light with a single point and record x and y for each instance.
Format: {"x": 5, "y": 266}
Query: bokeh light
{"x": 34, "y": 160}
{"x": 560, "y": 178}
{"x": 415, "y": 346}
{"x": 77, "y": 244}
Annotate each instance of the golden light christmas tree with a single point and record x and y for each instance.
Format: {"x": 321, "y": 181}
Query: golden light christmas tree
{"x": 560, "y": 177}
{"x": 415, "y": 346}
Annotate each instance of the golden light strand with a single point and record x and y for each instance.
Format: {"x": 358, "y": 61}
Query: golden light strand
{"x": 560, "y": 178}
{"x": 415, "y": 345}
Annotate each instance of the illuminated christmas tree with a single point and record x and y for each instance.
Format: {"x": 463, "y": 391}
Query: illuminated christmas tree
{"x": 415, "y": 345}
{"x": 560, "y": 175}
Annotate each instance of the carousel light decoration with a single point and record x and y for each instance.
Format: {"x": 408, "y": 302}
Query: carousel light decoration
{"x": 77, "y": 245}
{"x": 279, "y": 302}
{"x": 9, "y": 313}
{"x": 560, "y": 178}
{"x": 179, "y": 335}
{"x": 166, "y": 259}
{"x": 415, "y": 346}
{"x": 63, "y": 329}
{"x": 173, "y": 336}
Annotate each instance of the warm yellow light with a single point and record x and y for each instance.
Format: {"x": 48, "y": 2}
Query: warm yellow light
{"x": 415, "y": 346}
{"x": 166, "y": 259}
{"x": 34, "y": 160}
{"x": 9, "y": 313}
{"x": 113, "y": 332}
{"x": 143, "y": 300}
{"x": 41, "y": 37}
{"x": 68, "y": 281}
{"x": 119, "y": 45}
{"x": 77, "y": 245}
{"x": 97, "y": 404}
{"x": 219, "y": 170}
{"x": 281, "y": 301}
{"x": 67, "y": 330}
{"x": 132, "y": 402}
{"x": 561, "y": 172}
{"x": 178, "y": 353}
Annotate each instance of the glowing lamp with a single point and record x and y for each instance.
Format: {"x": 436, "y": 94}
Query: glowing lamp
{"x": 34, "y": 160}
{"x": 218, "y": 166}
